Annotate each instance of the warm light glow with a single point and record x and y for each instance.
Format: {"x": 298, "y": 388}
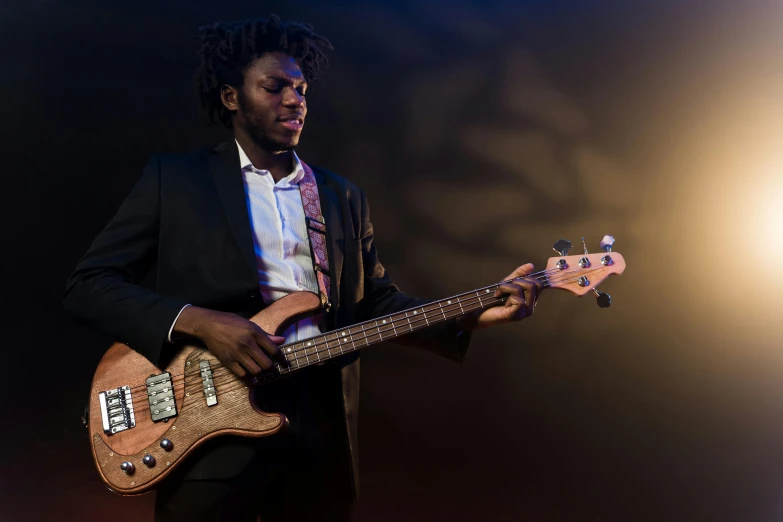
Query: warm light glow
{"x": 771, "y": 222}
{"x": 761, "y": 216}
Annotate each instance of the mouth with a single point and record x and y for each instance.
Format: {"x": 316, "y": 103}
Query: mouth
{"x": 293, "y": 123}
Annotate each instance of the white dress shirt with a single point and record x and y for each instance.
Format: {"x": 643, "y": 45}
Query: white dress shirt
{"x": 280, "y": 238}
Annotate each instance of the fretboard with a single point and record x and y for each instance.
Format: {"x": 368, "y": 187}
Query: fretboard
{"x": 324, "y": 347}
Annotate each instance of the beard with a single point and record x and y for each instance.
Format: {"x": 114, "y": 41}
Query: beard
{"x": 257, "y": 130}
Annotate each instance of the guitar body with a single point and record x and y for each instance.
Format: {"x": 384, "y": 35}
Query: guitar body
{"x": 195, "y": 422}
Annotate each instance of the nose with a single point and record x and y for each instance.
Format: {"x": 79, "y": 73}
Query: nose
{"x": 293, "y": 98}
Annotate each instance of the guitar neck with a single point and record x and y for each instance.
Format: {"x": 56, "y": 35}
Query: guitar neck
{"x": 324, "y": 347}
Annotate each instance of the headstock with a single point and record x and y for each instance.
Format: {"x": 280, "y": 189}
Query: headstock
{"x": 582, "y": 273}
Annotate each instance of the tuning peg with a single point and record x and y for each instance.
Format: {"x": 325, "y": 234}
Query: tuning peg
{"x": 606, "y": 243}
{"x": 604, "y": 299}
{"x": 562, "y": 246}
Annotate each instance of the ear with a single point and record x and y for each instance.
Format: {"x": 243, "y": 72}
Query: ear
{"x": 229, "y": 95}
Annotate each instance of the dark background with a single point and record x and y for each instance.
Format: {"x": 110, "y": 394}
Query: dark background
{"x": 482, "y": 132}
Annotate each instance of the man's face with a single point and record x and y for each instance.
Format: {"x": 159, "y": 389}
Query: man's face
{"x": 271, "y": 106}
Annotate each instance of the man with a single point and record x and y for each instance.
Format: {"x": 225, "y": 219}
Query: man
{"x": 228, "y": 232}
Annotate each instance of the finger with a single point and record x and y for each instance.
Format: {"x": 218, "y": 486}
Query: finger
{"x": 539, "y": 288}
{"x": 267, "y": 344}
{"x": 252, "y": 362}
{"x": 515, "y": 293}
{"x": 236, "y": 369}
{"x": 514, "y": 308}
{"x": 531, "y": 290}
{"x": 259, "y": 358}
{"x": 530, "y": 302}
{"x": 523, "y": 294}
{"x": 521, "y": 271}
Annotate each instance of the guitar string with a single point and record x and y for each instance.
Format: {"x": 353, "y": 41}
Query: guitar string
{"x": 563, "y": 274}
{"x": 236, "y": 383}
{"x": 233, "y": 383}
{"x": 226, "y": 376}
{"x": 240, "y": 384}
{"x": 219, "y": 376}
{"x": 177, "y": 377}
{"x": 143, "y": 411}
{"x": 195, "y": 371}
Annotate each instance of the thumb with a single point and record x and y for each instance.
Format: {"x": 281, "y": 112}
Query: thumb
{"x": 277, "y": 339}
{"x": 522, "y": 271}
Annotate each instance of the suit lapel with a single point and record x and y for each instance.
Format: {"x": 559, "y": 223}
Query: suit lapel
{"x": 227, "y": 175}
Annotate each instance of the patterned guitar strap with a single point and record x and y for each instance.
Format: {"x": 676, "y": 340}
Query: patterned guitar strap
{"x": 316, "y": 231}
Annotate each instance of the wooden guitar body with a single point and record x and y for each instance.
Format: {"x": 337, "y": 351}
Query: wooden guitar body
{"x": 195, "y": 421}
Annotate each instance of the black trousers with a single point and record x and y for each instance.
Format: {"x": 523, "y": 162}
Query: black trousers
{"x": 304, "y": 488}
{"x": 301, "y": 474}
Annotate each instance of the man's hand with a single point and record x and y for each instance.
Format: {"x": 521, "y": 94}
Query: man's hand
{"x": 242, "y": 346}
{"x": 522, "y": 293}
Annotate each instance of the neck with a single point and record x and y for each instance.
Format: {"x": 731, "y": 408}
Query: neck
{"x": 321, "y": 348}
{"x": 278, "y": 163}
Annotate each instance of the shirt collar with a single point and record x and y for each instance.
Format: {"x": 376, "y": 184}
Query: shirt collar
{"x": 293, "y": 178}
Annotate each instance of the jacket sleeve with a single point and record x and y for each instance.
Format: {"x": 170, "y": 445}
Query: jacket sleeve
{"x": 382, "y": 297}
{"x": 104, "y": 289}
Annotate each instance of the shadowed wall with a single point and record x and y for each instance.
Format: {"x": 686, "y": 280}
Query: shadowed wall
{"x": 482, "y": 133}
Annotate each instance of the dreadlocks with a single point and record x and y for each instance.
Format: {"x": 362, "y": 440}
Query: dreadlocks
{"x": 229, "y": 48}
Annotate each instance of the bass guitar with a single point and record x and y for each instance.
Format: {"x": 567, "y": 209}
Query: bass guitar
{"x": 144, "y": 421}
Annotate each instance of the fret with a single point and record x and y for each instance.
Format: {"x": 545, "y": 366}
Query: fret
{"x": 342, "y": 338}
{"x": 310, "y": 347}
{"x": 307, "y": 357}
{"x": 387, "y": 321}
{"x": 399, "y": 322}
{"x": 288, "y": 362}
{"x": 370, "y": 339}
{"x": 364, "y": 332}
{"x": 340, "y": 346}
{"x": 402, "y": 325}
{"x": 440, "y": 304}
{"x": 390, "y": 322}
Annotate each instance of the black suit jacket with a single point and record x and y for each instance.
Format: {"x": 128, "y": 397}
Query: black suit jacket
{"x": 187, "y": 217}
